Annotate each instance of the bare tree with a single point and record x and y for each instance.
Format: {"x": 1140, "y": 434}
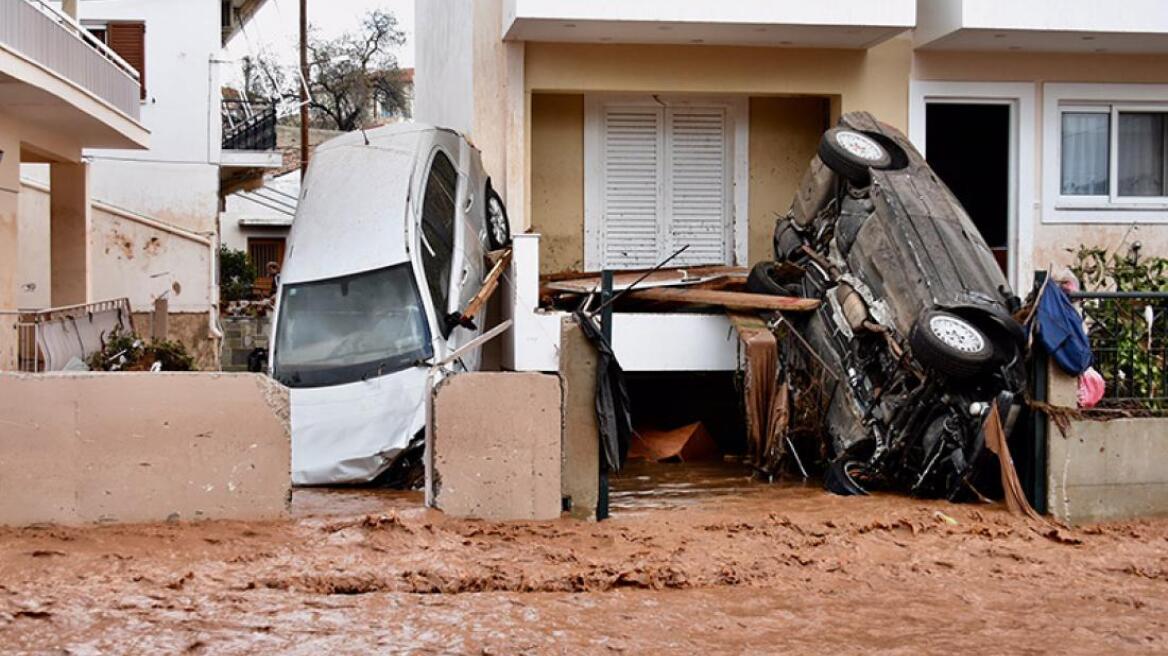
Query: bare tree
{"x": 350, "y": 76}
{"x": 353, "y": 73}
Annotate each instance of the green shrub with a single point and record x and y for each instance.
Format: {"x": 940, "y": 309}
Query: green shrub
{"x": 125, "y": 351}
{"x": 237, "y": 274}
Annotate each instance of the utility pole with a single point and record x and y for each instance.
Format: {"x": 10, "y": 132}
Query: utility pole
{"x": 303, "y": 88}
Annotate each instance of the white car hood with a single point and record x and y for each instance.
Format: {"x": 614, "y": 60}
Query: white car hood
{"x": 352, "y": 433}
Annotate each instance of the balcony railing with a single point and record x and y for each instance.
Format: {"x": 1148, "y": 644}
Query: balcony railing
{"x": 57, "y": 42}
{"x": 248, "y": 125}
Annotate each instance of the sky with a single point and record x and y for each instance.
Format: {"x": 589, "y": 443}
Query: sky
{"x": 276, "y": 26}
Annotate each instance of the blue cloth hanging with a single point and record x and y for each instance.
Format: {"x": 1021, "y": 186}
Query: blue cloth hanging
{"x": 1060, "y": 329}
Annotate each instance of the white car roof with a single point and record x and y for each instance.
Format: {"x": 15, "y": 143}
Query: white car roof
{"x": 352, "y": 211}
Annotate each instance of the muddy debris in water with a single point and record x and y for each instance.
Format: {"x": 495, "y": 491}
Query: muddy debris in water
{"x": 702, "y": 561}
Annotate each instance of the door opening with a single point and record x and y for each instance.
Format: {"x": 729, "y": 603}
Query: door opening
{"x": 969, "y": 146}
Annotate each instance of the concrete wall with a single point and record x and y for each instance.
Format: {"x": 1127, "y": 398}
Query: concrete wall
{"x": 495, "y": 446}
{"x": 79, "y": 448}
{"x": 1104, "y": 470}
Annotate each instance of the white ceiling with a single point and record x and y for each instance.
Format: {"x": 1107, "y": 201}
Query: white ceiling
{"x": 734, "y": 34}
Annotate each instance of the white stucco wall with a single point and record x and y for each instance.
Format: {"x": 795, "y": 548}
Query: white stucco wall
{"x": 176, "y": 180}
{"x": 443, "y": 78}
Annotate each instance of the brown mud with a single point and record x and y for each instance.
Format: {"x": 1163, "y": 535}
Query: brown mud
{"x": 696, "y": 559}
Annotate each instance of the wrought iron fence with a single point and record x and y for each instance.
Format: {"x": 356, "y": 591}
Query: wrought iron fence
{"x": 248, "y": 125}
{"x": 1129, "y": 336}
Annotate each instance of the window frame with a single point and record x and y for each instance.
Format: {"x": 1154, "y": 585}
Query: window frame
{"x": 1112, "y": 100}
{"x": 737, "y": 110}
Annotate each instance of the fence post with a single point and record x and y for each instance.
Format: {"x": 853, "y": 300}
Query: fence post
{"x": 1039, "y": 374}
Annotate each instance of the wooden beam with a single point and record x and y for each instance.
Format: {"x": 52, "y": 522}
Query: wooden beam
{"x": 729, "y": 300}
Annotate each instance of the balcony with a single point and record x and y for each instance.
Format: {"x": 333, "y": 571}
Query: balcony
{"x": 1122, "y": 26}
{"x": 249, "y": 144}
{"x": 53, "y": 41}
{"x": 822, "y": 24}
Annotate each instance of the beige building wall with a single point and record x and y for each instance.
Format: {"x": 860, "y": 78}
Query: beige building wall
{"x": 794, "y": 95}
{"x": 1053, "y": 243}
{"x": 784, "y": 135}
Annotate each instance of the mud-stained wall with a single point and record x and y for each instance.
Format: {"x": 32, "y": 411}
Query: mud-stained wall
{"x": 1104, "y": 470}
{"x": 141, "y": 447}
{"x": 193, "y": 329}
{"x": 557, "y": 180}
{"x": 495, "y": 440}
{"x": 784, "y": 134}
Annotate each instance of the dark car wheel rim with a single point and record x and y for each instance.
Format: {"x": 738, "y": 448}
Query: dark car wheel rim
{"x": 860, "y": 145}
{"x": 957, "y": 334}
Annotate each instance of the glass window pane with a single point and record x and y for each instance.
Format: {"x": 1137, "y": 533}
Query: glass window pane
{"x": 1141, "y": 154}
{"x": 438, "y": 230}
{"x": 1085, "y": 154}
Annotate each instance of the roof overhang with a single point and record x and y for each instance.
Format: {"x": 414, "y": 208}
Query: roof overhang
{"x": 1123, "y": 26}
{"x": 241, "y": 170}
{"x": 819, "y": 24}
{"x": 241, "y": 12}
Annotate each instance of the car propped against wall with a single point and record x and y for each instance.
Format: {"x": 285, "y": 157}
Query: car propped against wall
{"x": 386, "y": 249}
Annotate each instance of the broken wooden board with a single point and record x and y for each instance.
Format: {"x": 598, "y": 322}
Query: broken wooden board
{"x": 728, "y": 300}
{"x": 679, "y": 277}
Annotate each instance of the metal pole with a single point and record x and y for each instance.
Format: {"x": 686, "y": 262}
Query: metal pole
{"x": 303, "y": 88}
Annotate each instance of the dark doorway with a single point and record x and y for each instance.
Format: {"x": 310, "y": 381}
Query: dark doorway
{"x": 968, "y": 145}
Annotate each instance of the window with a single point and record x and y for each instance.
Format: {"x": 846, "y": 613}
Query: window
{"x": 351, "y": 328}
{"x": 438, "y": 216}
{"x": 128, "y": 40}
{"x": 1105, "y": 153}
{"x": 659, "y": 176}
{"x": 263, "y": 253}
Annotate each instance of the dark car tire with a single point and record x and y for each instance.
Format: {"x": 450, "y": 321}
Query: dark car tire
{"x": 788, "y": 242}
{"x": 840, "y": 477}
{"x": 846, "y": 159}
{"x": 764, "y": 279}
{"x": 498, "y": 225}
{"x": 945, "y": 354}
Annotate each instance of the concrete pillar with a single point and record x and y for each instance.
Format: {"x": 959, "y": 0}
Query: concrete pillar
{"x": 69, "y": 223}
{"x": 580, "y": 474}
{"x": 69, "y": 7}
{"x": 9, "y": 248}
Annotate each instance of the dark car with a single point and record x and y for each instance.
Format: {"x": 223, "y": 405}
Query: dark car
{"x": 915, "y": 323}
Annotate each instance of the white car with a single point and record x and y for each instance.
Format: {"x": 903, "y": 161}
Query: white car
{"x": 387, "y": 247}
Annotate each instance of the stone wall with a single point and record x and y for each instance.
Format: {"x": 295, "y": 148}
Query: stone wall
{"x": 240, "y": 336}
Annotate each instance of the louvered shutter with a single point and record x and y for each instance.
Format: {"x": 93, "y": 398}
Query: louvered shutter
{"x": 128, "y": 39}
{"x": 696, "y": 190}
{"x": 633, "y": 144}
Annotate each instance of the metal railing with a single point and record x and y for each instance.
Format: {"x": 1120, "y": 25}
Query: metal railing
{"x": 1129, "y": 336}
{"x": 58, "y": 42}
{"x": 248, "y": 125}
{"x": 46, "y": 339}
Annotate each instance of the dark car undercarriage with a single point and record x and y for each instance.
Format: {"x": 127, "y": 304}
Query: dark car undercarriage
{"x": 915, "y": 319}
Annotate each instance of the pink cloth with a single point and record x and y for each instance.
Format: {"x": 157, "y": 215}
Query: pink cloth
{"x": 1091, "y": 387}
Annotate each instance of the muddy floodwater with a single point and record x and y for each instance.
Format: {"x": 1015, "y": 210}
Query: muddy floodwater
{"x": 697, "y": 559}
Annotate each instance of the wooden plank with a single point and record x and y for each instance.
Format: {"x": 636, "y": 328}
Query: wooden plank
{"x": 729, "y": 300}
{"x": 588, "y": 283}
{"x": 488, "y": 288}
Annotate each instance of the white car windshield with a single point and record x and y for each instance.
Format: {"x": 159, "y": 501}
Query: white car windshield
{"x": 357, "y": 327}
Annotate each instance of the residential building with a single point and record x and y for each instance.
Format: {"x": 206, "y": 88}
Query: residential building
{"x": 619, "y": 131}
{"x": 61, "y": 92}
{"x": 154, "y": 212}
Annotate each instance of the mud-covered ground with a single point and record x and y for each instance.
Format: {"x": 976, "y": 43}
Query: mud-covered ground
{"x": 695, "y": 560}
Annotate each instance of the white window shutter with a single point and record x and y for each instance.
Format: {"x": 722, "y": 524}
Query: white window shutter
{"x": 697, "y": 199}
{"x": 633, "y": 157}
